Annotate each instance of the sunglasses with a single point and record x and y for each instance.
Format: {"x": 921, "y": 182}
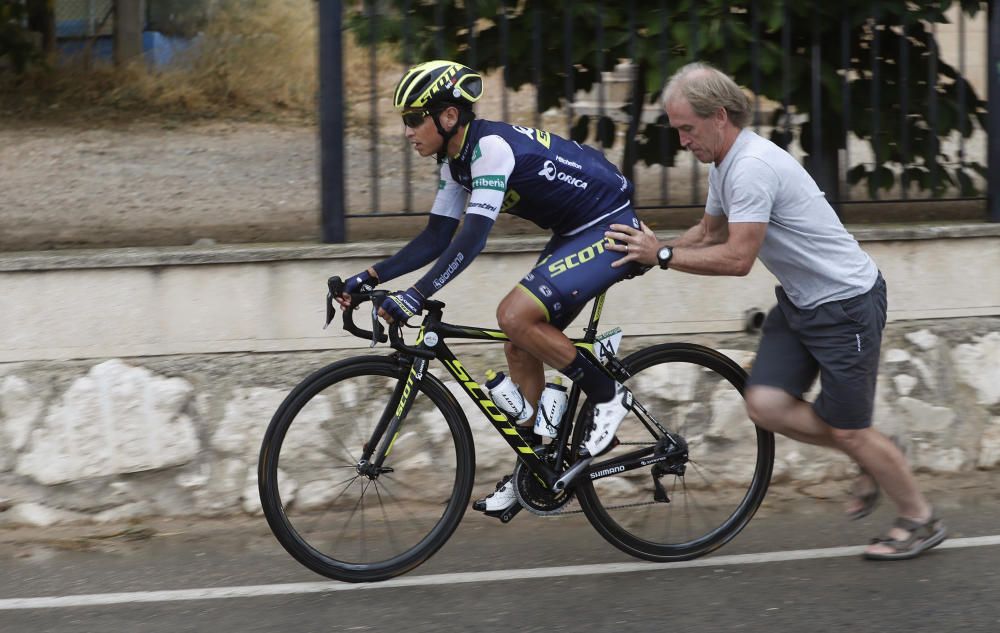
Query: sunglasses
{"x": 415, "y": 119}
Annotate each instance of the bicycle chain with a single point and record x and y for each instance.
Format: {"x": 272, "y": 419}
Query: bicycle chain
{"x": 557, "y": 513}
{"x": 563, "y": 512}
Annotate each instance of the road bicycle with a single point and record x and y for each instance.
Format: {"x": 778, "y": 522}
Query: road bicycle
{"x": 368, "y": 465}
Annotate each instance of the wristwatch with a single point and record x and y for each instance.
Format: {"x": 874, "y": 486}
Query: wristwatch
{"x": 664, "y": 255}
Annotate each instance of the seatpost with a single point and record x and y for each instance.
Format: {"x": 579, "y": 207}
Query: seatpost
{"x": 590, "y": 334}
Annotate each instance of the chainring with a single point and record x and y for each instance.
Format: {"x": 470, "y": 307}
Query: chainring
{"x": 533, "y": 495}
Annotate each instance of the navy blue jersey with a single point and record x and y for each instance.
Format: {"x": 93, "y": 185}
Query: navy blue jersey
{"x": 555, "y": 183}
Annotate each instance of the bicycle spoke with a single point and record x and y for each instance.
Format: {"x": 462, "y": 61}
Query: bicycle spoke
{"x": 351, "y": 524}
{"x": 417, "y": 492}
{"x": 695, "y": 394}
{"x": 350, "y": 456}
{"x": 385, "y": 517}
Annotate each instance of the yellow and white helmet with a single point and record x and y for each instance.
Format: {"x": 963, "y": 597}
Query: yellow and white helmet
{"x": 438, "y": 83}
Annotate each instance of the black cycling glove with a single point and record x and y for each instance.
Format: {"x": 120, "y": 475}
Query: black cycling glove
{"x": 362, "y": 282}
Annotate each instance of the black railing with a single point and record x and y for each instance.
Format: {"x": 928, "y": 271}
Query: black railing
{"x": 871, "y": 114}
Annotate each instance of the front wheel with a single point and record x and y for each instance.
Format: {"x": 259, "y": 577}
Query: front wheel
{"x": 339, "y": 516}
{"x": 697, "y": 393}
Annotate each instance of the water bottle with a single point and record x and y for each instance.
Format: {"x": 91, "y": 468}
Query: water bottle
{"x": 551, "y": 407}
{"x": 506, "y": 395}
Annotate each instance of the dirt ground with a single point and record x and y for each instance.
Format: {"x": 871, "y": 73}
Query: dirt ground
{"x": 80, "y": 183}
{"x": 147, "y": 183}
{"x": 94, "y": 177}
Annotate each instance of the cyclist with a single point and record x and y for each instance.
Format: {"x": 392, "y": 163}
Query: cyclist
{"x": 487, "y": 168}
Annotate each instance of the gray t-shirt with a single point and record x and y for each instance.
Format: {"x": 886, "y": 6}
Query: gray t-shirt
{"x": 806, "y": 247}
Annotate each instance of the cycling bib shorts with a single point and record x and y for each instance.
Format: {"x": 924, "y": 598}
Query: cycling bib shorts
{"x": 572, "y": 270}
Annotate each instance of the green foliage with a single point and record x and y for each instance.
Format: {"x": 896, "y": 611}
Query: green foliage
{"x": 599, "y": 34}
{"x": 15, "y": 40}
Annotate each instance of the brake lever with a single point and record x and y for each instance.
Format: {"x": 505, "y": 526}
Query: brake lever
{"x": 330, "y": 310}
{"x": 333, "y": 287}
{"x": 376, "y": 326}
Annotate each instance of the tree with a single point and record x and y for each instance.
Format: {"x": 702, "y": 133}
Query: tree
{"x": 42, "y": 20}
{"x": 891, "y": 103}
{"x": 16, "y": 42}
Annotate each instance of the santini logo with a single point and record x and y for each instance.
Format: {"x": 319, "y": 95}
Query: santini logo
{"x": 607, "y": 471}
{"x": 550, "y": 172}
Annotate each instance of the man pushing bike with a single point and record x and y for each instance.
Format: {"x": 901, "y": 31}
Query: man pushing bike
{"x": 490, "y": 167}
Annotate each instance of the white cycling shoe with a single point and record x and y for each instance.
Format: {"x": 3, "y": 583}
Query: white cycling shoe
{"x": 605, "y": 420}
{"x": 502, "y": 499}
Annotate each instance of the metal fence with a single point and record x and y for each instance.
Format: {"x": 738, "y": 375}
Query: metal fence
{"x": 878, "y": 107}
{"x": 83, "y": 18}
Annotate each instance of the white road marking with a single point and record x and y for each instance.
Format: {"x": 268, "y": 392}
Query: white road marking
{"x": 252, "y": 591}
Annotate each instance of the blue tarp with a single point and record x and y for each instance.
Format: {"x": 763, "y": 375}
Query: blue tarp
{"x": 160, "y": 50}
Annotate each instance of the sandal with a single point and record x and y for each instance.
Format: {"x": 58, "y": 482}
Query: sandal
{"x": 923, "y": 536}
{"x": 868, "y": 499}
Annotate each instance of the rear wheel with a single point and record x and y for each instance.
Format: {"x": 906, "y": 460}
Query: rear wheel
{"x": 697, "y": 393}
{"x": 347, "y": 522}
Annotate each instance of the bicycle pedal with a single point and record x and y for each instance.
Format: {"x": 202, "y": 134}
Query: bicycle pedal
{"x": 510, "y": 513}
{"x": 505, "y": 515}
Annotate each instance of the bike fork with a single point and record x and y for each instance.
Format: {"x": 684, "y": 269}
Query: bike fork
{"x": 378, "y": 447}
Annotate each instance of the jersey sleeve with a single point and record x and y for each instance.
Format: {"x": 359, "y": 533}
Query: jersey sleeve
{"x": 421, "y": 250}
{"x": 463, "y": 249}
{"x": 492, "y": 165}
{"x": 752, "y": 186}
{"x": 450, "y": 199}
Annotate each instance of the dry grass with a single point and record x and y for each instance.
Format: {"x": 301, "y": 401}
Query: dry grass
{"x": 256, "y": 58}
{"x": 253, "y": 59}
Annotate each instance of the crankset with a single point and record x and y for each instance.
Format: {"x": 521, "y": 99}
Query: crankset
{"x": 535, "y": 496}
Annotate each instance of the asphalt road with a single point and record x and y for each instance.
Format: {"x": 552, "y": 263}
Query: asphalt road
{"x": 794, "y": 568}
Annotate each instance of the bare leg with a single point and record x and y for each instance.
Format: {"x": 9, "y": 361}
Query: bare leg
{"x": 533, "y": 341}
{"x": 527, "y": 371}
{"x": 777, "y": 411}
{"x": 886, "y": 464}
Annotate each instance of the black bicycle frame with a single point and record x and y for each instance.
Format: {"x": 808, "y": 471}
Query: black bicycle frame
{"x": 430, "y": 344}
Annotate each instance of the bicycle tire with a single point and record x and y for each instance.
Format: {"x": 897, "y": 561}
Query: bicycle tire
{"x": 697, "y": 392}
{"x": 316, "y": 502}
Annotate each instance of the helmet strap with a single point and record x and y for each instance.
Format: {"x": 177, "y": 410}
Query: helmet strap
{"x": 464, "y": 118}
{"x": 445, "y": 136}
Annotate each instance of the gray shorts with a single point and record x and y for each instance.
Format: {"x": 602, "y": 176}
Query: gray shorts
{"x": 839, "y": 341}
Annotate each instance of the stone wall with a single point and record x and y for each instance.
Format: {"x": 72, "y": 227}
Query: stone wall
{"x": 111, "y": 439}
{"x": 139, "y": 382}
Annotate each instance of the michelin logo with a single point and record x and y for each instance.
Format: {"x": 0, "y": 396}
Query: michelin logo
{"x": 550, "y": 172}
{"x": 569, "y": 163}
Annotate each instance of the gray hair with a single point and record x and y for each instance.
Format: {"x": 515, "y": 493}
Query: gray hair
{"x": 707, "y": 89}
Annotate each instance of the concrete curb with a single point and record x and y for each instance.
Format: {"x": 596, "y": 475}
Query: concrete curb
{"x": 244, "y": 253}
